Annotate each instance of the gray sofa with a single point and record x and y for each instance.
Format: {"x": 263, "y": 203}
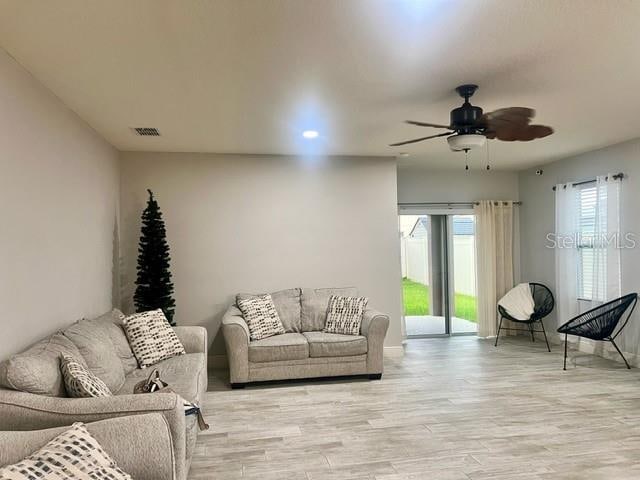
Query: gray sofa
{"x": 32, "y": 394}
{"x": 140, "y": 444}
{"x": 304, "y": 351}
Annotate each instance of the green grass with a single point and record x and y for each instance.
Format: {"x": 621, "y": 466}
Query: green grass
{"x": 416, "y": 297}
{"x": 416, "y": 301}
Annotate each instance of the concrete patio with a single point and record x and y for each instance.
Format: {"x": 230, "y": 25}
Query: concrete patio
{"x": 432, "y": 325}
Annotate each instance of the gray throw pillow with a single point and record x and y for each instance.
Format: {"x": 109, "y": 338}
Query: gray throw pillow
{"x": 37, "y": 369}
{"x": 94, "y": 342}
{"x": 287, "y": 303}
{"x": 315, "y": 302}
{"x": 113, "y": 322}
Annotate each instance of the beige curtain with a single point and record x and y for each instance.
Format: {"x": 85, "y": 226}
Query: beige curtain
{"x": 494, "y": 254}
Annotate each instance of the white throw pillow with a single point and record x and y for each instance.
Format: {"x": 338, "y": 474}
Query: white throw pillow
{"x": 73, "y": 455}
{"x": 261, "y": 316}
{"x": 79, "y": 381}
{"x": 344, "y": 314}
{"x": 151, "y": 337}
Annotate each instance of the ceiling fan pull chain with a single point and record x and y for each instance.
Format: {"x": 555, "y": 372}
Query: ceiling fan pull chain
{"x": 488, "y": 167}
{"x": 466, "y": 159}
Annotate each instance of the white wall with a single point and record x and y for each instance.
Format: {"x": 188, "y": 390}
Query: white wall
{"x": 538, "y": 218}
{"x": 455, "y": 185}
{"x": 58, "y": 205}
{"x": 239, "y": 223}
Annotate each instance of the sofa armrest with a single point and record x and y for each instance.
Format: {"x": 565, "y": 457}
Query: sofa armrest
{"x": 233, "y": 316}
{"x": 374, "y": 326}
{"x": 236, "y": 338}
{"x": 26, "y": 411}
{"x": 193, "y": 338}
{"x": 374, "y": 323}
{"x": 141, "y": 445}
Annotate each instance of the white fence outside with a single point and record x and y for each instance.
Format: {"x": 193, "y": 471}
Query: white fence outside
{"x": 415, "y": 262}
{"x": 464, "y": 264}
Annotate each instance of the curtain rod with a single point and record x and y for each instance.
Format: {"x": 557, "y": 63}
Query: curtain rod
{"x": 617, "y": 176}
{"x": 446, "y": 204}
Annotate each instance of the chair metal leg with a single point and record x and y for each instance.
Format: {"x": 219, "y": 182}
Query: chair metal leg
{"x": 625, "y": 360}
{"x": 545, "y": 335}
{"x": 498, "y": 335}
{"x": 533, "y": 337}
{"x": 565, "y": 352}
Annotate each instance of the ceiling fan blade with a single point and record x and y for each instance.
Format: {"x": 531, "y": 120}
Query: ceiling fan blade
{"x": 507, "y": 118}
{"x": 420, "y": 139}
{"x": 523, "y": 134}
{"x": 512, "y": 124}
{"x": 425, "y": 124}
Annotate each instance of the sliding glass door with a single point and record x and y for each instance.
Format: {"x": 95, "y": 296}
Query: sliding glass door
{"x": 438, "y": 273}
{"x": 462, "y": 274}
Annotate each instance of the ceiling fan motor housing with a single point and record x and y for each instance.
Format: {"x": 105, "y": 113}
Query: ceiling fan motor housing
{"x": 464, "y": 119}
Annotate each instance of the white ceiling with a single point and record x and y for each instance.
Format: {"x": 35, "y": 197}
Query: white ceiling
{"x": 248, "y": 76}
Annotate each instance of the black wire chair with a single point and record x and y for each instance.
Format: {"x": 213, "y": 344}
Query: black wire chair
{"x": 543, "y": 305}
{"x": 599, "y": 323}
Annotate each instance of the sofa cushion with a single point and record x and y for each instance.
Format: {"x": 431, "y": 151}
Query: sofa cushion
{"x": 287, "y": 303}
{"x": 322, "y": 344}
{"x": 37, "y": 369}
{"x": 79, "y": 381}
{"x": 113, "y": 321}
{"x": 314, "y": 304}
{"x": 94, "y": 342}
{"x": 261, "y": 316}
{"x": 288, "y": 346}
{"x": 185, "y": 375}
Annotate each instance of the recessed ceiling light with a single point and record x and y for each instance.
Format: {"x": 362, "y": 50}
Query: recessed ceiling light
{"x": 403, "y": 154}
{"x": 310, "y": 134}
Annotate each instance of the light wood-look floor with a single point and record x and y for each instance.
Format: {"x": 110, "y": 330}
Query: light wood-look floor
{"x": 451, "y": 409}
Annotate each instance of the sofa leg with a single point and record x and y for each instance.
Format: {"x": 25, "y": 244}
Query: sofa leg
{"x": 375, "y": 376}
{"x": 237, "y": 386}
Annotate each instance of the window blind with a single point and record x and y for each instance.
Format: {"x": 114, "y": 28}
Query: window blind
{"x": 592, "y": 216}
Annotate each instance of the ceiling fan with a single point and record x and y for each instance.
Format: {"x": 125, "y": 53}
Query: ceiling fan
{"x": 469, "y": 127}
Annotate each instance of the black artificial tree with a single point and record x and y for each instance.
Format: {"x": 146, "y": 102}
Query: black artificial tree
{"x": 154, "y": 288}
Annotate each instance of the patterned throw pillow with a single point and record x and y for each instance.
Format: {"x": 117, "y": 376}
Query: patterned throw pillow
{"x": 151, "y": 337}
{"x": 74, "y": 454}
{"x": 261, "y": 316}
{"x": 344, "y": 314}
{"x": 79, "y": 381}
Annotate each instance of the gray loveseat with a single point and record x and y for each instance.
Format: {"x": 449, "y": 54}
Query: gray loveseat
{"x": 32, "y": 394}
{"x": 304, "y": 351}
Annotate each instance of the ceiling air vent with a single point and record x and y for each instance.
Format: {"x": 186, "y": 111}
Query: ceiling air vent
{"x": 146, "y": 131}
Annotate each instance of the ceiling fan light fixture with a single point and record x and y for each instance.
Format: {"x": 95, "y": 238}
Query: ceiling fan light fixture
{"x": 459, "y": 143}
{"x": 310, "y": 134}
